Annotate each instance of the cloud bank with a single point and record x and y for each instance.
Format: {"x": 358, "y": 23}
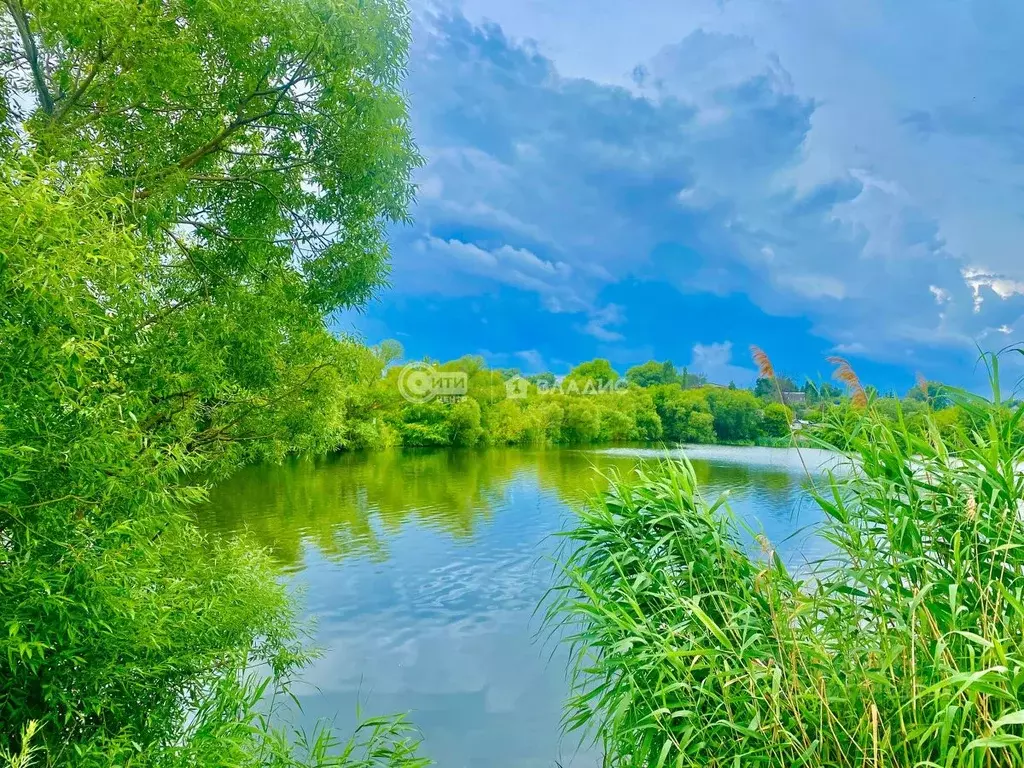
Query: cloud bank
{"x": 576, "y": 215}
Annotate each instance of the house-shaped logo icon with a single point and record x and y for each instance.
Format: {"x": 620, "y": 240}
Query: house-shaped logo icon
{"x": 516, "y": 387}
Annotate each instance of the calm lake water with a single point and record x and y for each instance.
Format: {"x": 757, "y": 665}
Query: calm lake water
{"x": 423, "y": 570}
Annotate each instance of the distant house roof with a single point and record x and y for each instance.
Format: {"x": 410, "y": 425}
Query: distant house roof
{"x": 794, "y": 397}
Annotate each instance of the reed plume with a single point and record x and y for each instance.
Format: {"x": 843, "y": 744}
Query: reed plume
{"x": 922, "y": 384}
{"x": 845, "y": 374}
{"x": 765, "y": 369}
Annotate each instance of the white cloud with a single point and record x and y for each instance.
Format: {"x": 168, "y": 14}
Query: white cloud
{"x": 814, "y": 286}
{"x": 771, "y": 148}
{"x": 941, "y": 294}
{"x": 851, "y": 348}
{"x": 430, "y": 188}
{"x": 600, "y": 319}
{"x": 1001, "y": 286}
{"x": 444, "y": 260}
{"x": 532, "y": 359}
{"x": 715, "y": 361}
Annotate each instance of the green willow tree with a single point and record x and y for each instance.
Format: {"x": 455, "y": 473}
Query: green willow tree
{"x": 188, "y": 189}
{"x": 652, "y": 373}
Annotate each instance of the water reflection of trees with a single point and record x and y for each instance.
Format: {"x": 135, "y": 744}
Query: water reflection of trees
{"x": 354, "y": 503}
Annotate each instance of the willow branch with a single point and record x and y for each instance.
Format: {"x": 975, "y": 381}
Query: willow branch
{"x": 68, "y": 101}
{"x": 28, "y": 43}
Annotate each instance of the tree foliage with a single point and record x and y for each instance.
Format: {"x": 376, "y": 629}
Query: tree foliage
{"x": 624, "y": 411}
{"x": 737, "y": 414}
{"x": 253, "y": 139}
{"x": 186, "y": 190}
{"x": 652, "y": 373}
{"x": 775, "y": 420}
{"x": 685, "y": 415}
{"x": 598, "y": 372}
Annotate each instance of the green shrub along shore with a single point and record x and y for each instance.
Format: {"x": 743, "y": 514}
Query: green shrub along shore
{"x": 654, "y": 402}
{"x": 904, "y": 647}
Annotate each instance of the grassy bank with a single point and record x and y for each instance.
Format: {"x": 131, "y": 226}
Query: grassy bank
{"x": 904, "y": 648}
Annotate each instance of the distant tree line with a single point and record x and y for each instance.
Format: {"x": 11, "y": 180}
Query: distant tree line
{"x": 593, "y": 403}
{"x": 652, "y": 402}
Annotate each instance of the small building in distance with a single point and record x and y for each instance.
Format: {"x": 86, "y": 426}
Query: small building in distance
{"x": 794, "y": 398}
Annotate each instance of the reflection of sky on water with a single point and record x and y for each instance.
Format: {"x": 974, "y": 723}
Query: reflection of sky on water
{"x": 776, "y": 458}
{"x": 423, "y": 570}
{"x": 447, "y": 635}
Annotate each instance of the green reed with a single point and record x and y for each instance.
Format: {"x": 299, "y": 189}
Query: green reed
{"x": 904, "y": 647}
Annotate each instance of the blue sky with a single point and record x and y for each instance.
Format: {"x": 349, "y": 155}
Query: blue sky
{"x": 681, "y": 180}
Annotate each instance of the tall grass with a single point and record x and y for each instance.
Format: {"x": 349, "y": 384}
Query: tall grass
{"x": 904, "y": 648}
{"x": 231, "y": 731}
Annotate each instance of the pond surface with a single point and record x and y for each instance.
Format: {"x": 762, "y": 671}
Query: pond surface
{"x": 423, "y": 570}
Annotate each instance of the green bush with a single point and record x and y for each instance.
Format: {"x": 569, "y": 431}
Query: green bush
{"x": 508, "y": 423}
{"x": 645, "y": 415}
{"x": 776, "y": 420}
{"x": 685, "y": 415}
{"x": 581, "y": 420}
{"x": 736, "y": 413}
{"x": 546, "y": 417}
{"x": 464, "y": 423}
{"x": 617, "y": 426}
